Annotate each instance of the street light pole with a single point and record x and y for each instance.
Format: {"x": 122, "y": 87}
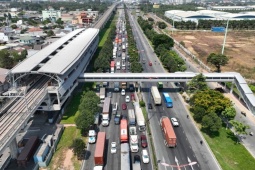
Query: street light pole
{"x": 173, "y": 26}
{"x": 225, "y": 37}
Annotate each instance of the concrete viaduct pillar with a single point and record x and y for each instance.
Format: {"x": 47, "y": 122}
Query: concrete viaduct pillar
{"x": 231, "y": 89}
{"x": 14, "y": 149}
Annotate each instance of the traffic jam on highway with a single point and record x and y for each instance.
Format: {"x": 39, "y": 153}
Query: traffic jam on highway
{"x": 122, "y": 114}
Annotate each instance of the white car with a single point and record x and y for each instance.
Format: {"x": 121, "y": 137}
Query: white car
{"x": 127, "y": 99}
{"x": 174, "y": 121}
{"x": 113, "y": 147}
{"x": 123, "y": 92}
{"x": 145, "y": 156}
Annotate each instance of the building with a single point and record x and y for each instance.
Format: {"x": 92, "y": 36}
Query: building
{"x": 195, "y": 16}
{"x": 27, "y": 40}
{"x": 51, "y": 14}
{"x": 230, "y": 8}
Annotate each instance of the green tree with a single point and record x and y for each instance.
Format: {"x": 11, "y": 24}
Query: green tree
{"x": 150, "y": 19}
{"x": 136, "y": 67}
{"x": 199, "y": 112}
{"x": 161, "y": 25}
{"x": 163, "y": 39}
{"x": 5, "y": 60}
{"x": 50, "y": 33}
{"x": 229, "y": 113}
{"x": 14, "y": 26}
{"x": 89, "y": 101}
{"x": 211, "y": 122}
{"x": 78, "y": 147}
{"x": 160, "y": 50}
{"x": 240, "y": 128}
{"x": 59, "y": 21}
{"x": 84, "y": 120}
{"x": 217, "y": 60}
{"x": 197, "y": 83}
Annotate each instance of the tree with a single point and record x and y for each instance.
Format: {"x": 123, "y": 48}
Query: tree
{"x": 163, "y": 39}
{"x": 229, "y": 113}
{"x": 217, "y": 60}
{"x": 50, "y": 33}
{"x": 84, "y": 120}
{"x": 136, "y": 67}
{"x": 197, "y": 83}
{"x": 14, "y": 26}
{"x": 239, "y": 127}
{"x": 161, "y": 25}
{"x": 5, "y": 60}
{"x": 211, "y": 122}
{"x": 150, "y": 19}
{"x": 78, "y": 147}
{"x": 89, "y": 101}
{"x": 199, "y": 112}
{"x": 59, "y": 21}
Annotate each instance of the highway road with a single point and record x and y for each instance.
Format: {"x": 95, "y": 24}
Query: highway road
{"x": 113, "y": 133}
{"x": 188, "y": 147}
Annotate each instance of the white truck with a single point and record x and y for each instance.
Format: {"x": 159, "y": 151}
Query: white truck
{"x": 139, "y": 117}
{"x": 123, "y": 56}
{"x": 92, "y": 136}
{"x": 114, "y": 53}
{"x": 118, "y": 65}
{"x": 106, "y": 110}
{"x": 102, "y": 94}
{"x": 133, "y": 139}
{"x": 155, "y": 94}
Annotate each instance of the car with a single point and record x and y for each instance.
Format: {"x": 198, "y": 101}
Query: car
{"x": 150, "y": 63}
{"x": 132, "y": 96}
{"x": 123, "y": 92}
{"x": 109, "y": 94}
{"x": 149, "y": 106}
{"x": 113, "y": 147}
{"x": 144, "y": 141}
{"x": 144, "y": 61}
{"x": 117, "y": 118}
{"x": 174, "y": 121}
{"x": 137, "y": 159}
{"x": 145, "y": 156}
{"x": 127, "y": 99}
{"x": 124, "y": 106}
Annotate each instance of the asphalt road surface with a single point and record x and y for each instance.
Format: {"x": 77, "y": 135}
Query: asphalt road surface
{"x": 188, "y": 150}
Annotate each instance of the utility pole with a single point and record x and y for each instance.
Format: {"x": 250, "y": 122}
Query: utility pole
{"x": 225, "y": 37}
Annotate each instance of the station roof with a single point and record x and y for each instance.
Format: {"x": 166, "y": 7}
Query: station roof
{"x": 58, "y": 56}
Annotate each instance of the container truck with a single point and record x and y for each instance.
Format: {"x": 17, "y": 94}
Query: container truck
{"x": 106, "y": 110}
{"x": 112, "y": 66}
{"x": 133, "y": 139}
{"x": 123, "y": 56}
{"x": 102, "y": 94}
{"x": 139, "y": 118}
{"x": 168, "y": 131}
{"x": 155, "y": 95}
{"x": 131, "y": 117}
{"x": 99, "y": 151}
{"x": 124, "y": 156}
{"x": 28, "y": 151}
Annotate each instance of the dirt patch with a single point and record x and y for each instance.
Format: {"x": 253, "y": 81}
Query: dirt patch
{"x": 68, "y": 164}
{"x": 239, "y": 48}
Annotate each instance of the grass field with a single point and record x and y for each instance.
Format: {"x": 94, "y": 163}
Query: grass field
{"x": 63, "y": 145}
{"x": 230, "y": 155}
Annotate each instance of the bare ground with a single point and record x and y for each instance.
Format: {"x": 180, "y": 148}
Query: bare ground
{"x": 239, "y": 48}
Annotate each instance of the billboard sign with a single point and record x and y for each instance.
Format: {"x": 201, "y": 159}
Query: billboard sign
{"x": 218, "y": 29}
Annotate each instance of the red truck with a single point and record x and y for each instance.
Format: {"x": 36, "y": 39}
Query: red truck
{"x": 99, "y": 152}
{"x": 28, "y": 151}
{"x": 167, "y": 128}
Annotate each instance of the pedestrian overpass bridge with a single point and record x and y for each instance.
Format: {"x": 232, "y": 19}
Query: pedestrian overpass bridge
{"x": 233, "y": 77}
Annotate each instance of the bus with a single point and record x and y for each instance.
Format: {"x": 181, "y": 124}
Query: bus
{"x": 168, "y": 100}
{"x": 123, "y": 131}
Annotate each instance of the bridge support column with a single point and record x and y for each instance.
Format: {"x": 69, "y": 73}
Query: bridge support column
{"x": 14, "y": 149}
{"x": 231, "y": 89}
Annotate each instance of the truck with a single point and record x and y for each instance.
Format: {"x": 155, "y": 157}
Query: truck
{"x": 160, "y": 85}
{"x": 131, "y": 117}
{"x": 123, "y": 56}
{"x": 106, "y": 110}
{"x": 139, "y": 117}
{"x": 168, "y": 131}
{"x": 155, "y": 95}
{"x": 102, "y": 94}
{"x": 133, "y": 139}
{"x": 123, "y": 85}
{"x": 118, "y": 65}
{"x": 123, "y": 48}
{"x": 116, "y": 86}
{"x": 114, "y": 53}
{"x": 124, "y": 156}
{"x": 99, "y": 151}
{"x": 112, "y": 66}
{"x": 28, "y": 151}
